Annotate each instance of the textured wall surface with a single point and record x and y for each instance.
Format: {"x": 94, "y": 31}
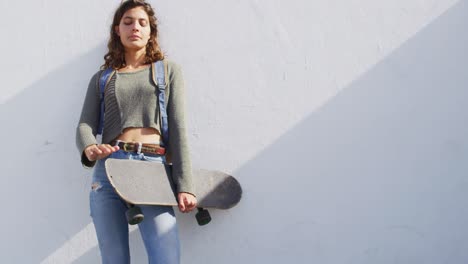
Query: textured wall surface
{"x": 345, "y": 121}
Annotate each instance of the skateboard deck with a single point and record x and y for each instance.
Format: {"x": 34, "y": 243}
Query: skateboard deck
{"x": 149, "y": 183}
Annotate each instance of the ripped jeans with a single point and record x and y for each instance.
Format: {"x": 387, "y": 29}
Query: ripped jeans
{"x": 158, "y": 229}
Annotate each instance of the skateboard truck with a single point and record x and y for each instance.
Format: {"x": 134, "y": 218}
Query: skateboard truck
{"x": 203, "y": 216}
{"x": 134, "y": 214}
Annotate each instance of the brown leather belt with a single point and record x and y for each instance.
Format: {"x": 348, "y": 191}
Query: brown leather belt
{"x": 137, "y": 147}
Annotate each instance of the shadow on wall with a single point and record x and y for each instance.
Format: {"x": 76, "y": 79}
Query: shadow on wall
{"x": 377, "y": 175}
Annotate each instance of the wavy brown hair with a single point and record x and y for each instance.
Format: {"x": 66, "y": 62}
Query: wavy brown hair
{"x": 115, "y": 57}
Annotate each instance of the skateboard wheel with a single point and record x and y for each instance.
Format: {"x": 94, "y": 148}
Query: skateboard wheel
{"x": 134, "y": 215}
{"x": 203, "y": 216}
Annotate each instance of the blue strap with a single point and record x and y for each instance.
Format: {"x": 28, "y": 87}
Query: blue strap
{"x": 102, "y": 85}
{"x": 161, "y": 82}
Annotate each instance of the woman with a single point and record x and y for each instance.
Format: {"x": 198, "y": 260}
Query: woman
{"x": 132, "y": 118}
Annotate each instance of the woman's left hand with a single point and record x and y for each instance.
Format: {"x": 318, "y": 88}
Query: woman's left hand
{"x": 187, "y": 202}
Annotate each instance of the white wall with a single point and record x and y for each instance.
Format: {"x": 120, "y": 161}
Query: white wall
{"x": 345, "y": 121}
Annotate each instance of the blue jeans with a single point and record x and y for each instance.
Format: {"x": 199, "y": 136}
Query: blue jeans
{"x": 158, "y": 229}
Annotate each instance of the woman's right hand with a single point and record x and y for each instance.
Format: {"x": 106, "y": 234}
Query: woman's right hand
{"x": 97, "y": 152}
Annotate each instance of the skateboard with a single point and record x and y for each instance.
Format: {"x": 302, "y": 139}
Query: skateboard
{"x": 149, "y": 183}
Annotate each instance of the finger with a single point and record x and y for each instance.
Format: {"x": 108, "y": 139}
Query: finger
{"x": 182, "y": 207}
{"x": 190, "y": 208}
{"x": 188, "y": 204}
{"x": 111, "y": 148}
{"x": 91, "y": 148}
{"x": 181, "y": 203}
{"x": 105, "y": 148}
{"x": 191, "y": 204}
{"x": 97, "y": 150}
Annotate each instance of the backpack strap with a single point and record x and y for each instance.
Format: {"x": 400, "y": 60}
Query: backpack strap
{"x": 159, "y": 77}
{"x": 103, "y": 81}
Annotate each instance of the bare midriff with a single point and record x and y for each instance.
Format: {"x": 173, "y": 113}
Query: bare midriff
{"x": 140, "y": 134}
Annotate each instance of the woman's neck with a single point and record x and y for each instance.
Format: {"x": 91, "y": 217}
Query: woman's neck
{"x": 135, "y": 59}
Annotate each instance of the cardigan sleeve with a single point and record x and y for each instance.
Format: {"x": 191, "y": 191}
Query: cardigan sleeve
{"x": 178, "y": 147}
{"x": 86, "y": 130}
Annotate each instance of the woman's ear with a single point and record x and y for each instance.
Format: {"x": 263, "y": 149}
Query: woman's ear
{"x": 116, "y": 29}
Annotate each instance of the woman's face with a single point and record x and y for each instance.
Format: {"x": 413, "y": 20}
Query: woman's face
{"x": 134, "y": 29}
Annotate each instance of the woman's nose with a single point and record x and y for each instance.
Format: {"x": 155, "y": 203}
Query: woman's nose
{"x": 136, "y": 27}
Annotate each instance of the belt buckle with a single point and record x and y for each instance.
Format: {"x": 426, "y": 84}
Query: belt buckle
{"x": 125, "y": 147}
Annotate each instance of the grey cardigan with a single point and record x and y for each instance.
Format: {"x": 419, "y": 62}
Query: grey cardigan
{"x": 131, "y": 101}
